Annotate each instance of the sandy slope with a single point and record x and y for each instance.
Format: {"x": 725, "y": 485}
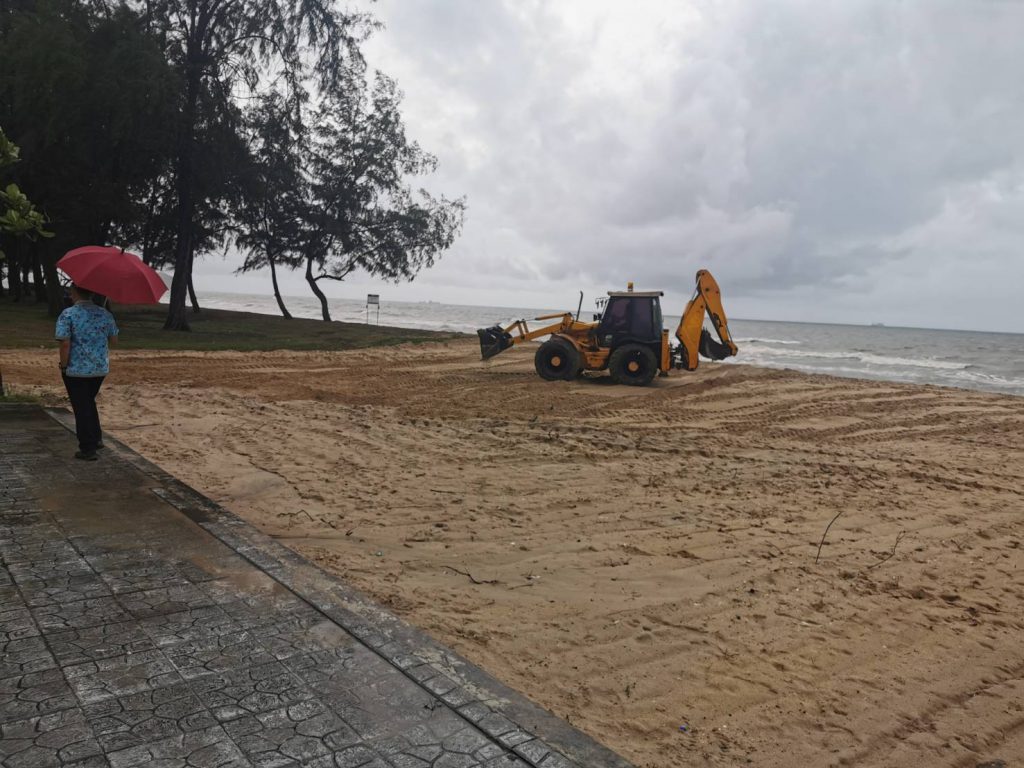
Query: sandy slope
{"x": 640, "y": 560}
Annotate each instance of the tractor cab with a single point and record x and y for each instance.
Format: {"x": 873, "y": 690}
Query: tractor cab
{"x": 629, "y": 316}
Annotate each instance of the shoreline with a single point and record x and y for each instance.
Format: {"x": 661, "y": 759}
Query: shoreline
{"x": 269, "y": 298}
{"x": 940, "y": 359}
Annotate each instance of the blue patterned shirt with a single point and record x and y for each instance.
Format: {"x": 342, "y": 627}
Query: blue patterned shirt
{"x": 88, "y": 327}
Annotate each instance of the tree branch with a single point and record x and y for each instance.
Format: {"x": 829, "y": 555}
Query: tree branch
{"x": 339, "y": 278}
{"x": 826, "y": 534}
{"x": 469, "y": 576}
{"x": 899, "y": 538}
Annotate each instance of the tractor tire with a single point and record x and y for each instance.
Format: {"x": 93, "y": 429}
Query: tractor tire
{"x": 633, "y": 364}
{"x": 557, "y": 360}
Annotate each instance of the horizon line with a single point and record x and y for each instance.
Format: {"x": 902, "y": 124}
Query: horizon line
{"x": 545, "y": 309}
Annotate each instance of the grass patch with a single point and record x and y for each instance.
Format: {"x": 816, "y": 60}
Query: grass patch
{"x": 19, "y": 399}
{"x": 28, "y": 325}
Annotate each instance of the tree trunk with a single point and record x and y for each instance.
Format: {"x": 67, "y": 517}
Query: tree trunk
{"x": 14, "y": 270}
{"x": 277, "y": 291}
{"x": 176, "y": 318}
{"x": 147, "y": 248}
{"x": 26, "y": 271}
{"x": 316, "y": 290}
{"x": 38, "y": 284}
{"x": 192, "y": 296}
{"x": 54, "y": 290}
{"x": 6, "y": 246}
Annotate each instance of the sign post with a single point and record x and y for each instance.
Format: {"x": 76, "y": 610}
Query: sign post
{"x": 372, "y": 298}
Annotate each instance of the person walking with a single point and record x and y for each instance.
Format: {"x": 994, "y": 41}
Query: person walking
{"x": 85, "y": 331}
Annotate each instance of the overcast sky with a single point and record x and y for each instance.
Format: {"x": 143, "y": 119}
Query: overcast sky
{"x": 828, "y": 160}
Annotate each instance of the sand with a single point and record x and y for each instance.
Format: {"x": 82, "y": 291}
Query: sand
{"x": 639, "y": 561}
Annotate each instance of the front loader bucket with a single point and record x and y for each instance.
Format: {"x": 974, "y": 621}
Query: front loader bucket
{"x": 493, "y": 340}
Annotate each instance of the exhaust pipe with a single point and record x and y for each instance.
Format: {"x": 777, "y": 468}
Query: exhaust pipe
{"x": 493, "y": 341}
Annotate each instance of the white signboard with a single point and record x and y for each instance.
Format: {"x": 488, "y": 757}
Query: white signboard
{"x": 372, "y": 298}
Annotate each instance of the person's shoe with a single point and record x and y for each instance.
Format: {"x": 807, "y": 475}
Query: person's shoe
{"x": 100, "y": 446}
{"x": 86, "y": 455}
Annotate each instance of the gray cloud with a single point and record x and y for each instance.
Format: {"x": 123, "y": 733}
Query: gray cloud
{"x": 828, "y": 159}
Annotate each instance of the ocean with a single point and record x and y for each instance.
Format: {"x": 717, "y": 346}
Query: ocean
{"x": 992, "y": 362}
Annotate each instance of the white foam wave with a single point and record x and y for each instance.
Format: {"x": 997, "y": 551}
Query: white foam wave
{"x": 862, "y": 357}
{"x": 917, "y": 362}
{"x": 951, "y": 377}
{"x": 767, "y": 341}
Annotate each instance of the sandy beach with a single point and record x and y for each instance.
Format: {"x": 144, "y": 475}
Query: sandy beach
{"x": 641, "y": 562}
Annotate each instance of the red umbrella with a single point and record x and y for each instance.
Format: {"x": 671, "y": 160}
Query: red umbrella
{"x": 120, "y": 276}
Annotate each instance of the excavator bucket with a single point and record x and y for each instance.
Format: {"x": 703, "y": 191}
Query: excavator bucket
{"x": 712, "y": 349}
{"x": 493, "y": 340}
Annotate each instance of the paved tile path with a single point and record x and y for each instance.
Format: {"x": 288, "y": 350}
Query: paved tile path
{"x": 141, "y": 625}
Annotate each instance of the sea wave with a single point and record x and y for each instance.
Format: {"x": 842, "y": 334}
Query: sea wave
{"x": 767, "y": 341}
{"x": 991, "y": 379}
{"x": 916, "y": 362}
{"x": 961, "y": 378}
{"x": 866, "y": 358}
{"x": 947, "y": 358}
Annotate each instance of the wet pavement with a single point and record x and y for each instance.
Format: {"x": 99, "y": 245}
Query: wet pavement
{"x": 141, "y": 624}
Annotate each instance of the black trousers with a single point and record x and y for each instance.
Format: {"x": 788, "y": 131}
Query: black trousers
{"x": 82, "y": 392}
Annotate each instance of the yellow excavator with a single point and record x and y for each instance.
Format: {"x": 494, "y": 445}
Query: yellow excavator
{"x": 626, "y": 337}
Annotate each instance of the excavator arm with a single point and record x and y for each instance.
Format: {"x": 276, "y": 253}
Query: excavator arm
{"x": 693, "y": 338}
{"x": 496, "y": 339}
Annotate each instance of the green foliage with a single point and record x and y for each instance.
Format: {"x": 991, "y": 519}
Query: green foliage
{"x": 92, "y": 102}
{"x": 21, "y": 218}
{"x": 9, "y": 151}
{"x": 224, "y": 52}
{"x": 329, "y": 187}
{"x": 177, "y": 126}
{"x": 18, "y": 216}
{"x": 366, "y": 215}
{"x": 269, "y": 215}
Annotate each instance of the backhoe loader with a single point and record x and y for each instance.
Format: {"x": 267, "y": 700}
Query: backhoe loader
{"x": 626, "y": 338}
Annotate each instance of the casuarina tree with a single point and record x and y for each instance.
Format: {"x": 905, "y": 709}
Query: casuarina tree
{"x": 361, "y": 212}
{"x": 269, "y": 218}
{"x": 220, "y": 154}
{"x": 224, "y": 47}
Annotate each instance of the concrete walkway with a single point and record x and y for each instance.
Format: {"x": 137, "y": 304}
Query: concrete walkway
{"x": 140, "y": 624}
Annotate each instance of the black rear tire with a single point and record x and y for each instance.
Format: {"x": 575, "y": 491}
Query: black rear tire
{"x": 557, "y": 360}
{"x": 633, "y": 364}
